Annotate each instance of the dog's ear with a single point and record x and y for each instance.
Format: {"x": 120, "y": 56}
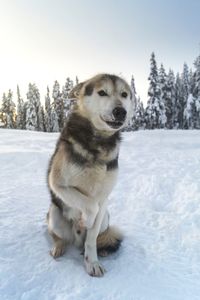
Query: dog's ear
{"x": 75, "y": 92}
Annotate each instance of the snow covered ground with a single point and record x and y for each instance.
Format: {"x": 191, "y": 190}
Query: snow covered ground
{"x": 156, "y": 203}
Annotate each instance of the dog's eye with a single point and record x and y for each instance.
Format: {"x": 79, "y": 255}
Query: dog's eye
{"x": 124, "y": 94}
{"x": 102, "y": 93}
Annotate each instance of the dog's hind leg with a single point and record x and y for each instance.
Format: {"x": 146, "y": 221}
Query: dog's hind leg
{"x": 60, "y": 230}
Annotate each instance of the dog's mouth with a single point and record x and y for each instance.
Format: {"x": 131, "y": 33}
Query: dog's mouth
{"x": 113, "y": 124}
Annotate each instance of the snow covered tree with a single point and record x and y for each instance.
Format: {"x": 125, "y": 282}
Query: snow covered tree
{"x": 77, "y": 80}
{"x": 185, "y": 81}
{"x": 58, "y": 104}
{"x": 48, "y": 112}
{"x": 191, "y": 82}
{"x": 196, "y": 93}
{"x": 34, "y": 118}
{"x": 170, "y": 100}
{"x": 178, "y": 112}
{"x": 155, "y": 110}
{"x": 41, "y": 119}
{"x": 134, "y": 95}
{"x": 185, "y": 93}
{"x": 20, "y": 120}
{"x": 65, "y": 96}
{"x": 139, "y": 121}
{"x": 3, "y": 110}
{"x": 189, "y": 113}
{"x": 54, "y": 121}
{"x": 8, "y": 110}
{"x": 197, "y": 77}
{"x": 132, "y": 125}
{"x": 31, "y": 110}
{"x": 162, "y": 78}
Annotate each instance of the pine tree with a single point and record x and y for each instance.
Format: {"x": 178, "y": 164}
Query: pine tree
{"x": 3, "y": 110}
{"x": 41, "y": 119}
{"x": 8, "y": 110}
{"x": 162, "y": 78}
{"x": 132, "y": 122}
{"x": 170, "y": 101}
{"x": 34, "y": 117}
{"x": 178, "y": 112}
{"x": 48, "y": 112}
{"x": 54, "y": 121}
{"x": 155, "y": 113}
{"x": 189, "y": 113}
{"x": 191, "y": 82}
{"x": 197, "y": 77}
{"x": 31, "y": 113}
{"x": 185, "y": 93}
{"x": 65, "y": 96}
{"x": 197, "y": 92}
{"x": 139, "y": 115}
{"x": 20, "y": 120}
{"x": 58, "y": 104}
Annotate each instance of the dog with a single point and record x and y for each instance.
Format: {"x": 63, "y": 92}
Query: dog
{"x": 83, "y": 170}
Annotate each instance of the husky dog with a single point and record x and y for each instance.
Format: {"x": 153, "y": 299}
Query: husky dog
{"x": 83, "y": 170}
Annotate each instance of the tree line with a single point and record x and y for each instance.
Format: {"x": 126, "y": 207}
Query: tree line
{"x": 173, "y": 100}
{"x": 173, "y": 103}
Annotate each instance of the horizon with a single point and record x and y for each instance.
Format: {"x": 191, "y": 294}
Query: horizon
{"x": 48, "y": 41}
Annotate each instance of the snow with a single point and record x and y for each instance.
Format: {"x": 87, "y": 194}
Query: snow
{"x": 156, "y": 202}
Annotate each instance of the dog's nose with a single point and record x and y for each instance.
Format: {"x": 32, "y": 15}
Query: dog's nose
{"x": 119, "y": 113}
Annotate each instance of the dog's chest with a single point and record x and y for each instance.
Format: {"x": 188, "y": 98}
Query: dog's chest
{"x": 93, "y": 180}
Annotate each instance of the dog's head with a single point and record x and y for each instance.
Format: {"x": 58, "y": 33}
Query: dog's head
{"x": 106, "y": 100}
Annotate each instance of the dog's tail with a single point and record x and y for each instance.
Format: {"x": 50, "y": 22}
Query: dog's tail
{"x": 109, "y": 241}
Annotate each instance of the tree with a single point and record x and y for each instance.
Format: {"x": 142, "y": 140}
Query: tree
{"x": 41, "y": 119}
{"x": 132, "y": 125}
{"x": 48, "y": 112}
{"x": 196, "y": 92}
{"x": 20, "y": 120}
{"x": 197, "y": 77}
{"x": 54, "y": 121}
{"x": 185, "y": 93}
{"x": 139, "y": 115}
{"x": 162, "y": 78}
{"x": 178, "y": 111}
{"x": 8, "y": 110}
{"x": 58, "y": 104}
{"x": 170, "y": 101}
{"x": 155, "y": 112}
{"x": 189, "y": 113}
{"x": 4, "y": 110}
{"x": 65, "y": 96}
{"x": 34, "y": 114}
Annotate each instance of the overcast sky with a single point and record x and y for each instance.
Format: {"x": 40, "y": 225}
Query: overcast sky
{"x": 44, "y": 40}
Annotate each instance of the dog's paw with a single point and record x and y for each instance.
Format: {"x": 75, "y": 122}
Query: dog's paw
{"x": 94, "y": 268}
{"x": 57, "y": 251}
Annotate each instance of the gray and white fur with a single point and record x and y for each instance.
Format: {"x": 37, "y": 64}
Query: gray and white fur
{"x": 83, "y": 170}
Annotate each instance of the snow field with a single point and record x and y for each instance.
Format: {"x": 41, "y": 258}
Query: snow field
{"x": 156, "y": 203}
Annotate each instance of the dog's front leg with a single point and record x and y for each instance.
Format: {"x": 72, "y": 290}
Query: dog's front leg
{"x": 93, "y": 267}
{"x": 74, "y": 198}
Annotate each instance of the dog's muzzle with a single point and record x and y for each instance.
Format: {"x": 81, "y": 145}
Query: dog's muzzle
{"x": 119, "y": 115}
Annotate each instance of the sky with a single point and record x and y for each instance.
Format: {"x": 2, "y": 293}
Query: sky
{"x": 45, "y": 40}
